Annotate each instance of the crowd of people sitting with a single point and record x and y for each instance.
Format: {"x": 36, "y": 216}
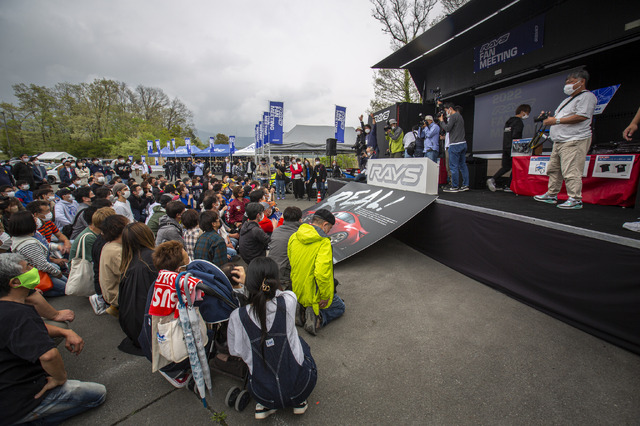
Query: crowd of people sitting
{"x": 124, "y": 230}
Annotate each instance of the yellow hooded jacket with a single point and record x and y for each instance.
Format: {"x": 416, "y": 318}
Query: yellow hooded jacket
{"x": 311, "y": 259}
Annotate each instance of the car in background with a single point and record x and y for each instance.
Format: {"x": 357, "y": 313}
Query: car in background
{"x": 345, "y": 232}
{"x": 53, "y": 170}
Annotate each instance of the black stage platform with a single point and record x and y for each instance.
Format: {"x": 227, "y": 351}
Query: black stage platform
{"x": 579, "y": 266}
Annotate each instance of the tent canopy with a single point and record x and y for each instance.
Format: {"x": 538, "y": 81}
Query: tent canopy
{"x": 54, "y": 156}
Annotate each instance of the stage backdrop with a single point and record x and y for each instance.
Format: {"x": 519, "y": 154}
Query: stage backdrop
{"x": 365, "y": 214}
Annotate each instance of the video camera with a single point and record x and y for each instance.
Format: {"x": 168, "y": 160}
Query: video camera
{"x": 437, "y": 99}
{"x": 387, "y": 127}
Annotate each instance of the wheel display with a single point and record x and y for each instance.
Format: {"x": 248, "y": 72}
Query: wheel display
{"x": 338, "y": 237}
{"x": 51, "y": 180}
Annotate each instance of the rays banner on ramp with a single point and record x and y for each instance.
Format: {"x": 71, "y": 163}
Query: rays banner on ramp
{"x": 366, "y": 214}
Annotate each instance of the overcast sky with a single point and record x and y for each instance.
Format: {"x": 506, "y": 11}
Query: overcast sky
{"x": 224, "y": 59}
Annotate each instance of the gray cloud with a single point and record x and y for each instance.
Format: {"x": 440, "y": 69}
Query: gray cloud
{"x": 224, "y": 60}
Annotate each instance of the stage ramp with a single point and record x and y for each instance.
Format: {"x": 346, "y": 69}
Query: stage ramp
{"x": 366, "y": 214}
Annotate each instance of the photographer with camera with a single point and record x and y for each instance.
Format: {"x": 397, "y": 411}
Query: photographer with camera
{"x": 512, "y": 130}
{"x": 394, "y": 136}
{"x": 570, "y": 131}
{"x": 454, "y": 126}
{"x": 430, "y": 134}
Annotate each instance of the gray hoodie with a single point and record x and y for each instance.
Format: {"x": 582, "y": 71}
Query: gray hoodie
{"x": 169, "y": 230}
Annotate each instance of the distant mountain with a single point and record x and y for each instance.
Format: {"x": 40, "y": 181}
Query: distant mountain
{"x": 241, "y": 141}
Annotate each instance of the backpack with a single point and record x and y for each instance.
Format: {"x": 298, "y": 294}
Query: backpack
{"x": 67, "y": 230}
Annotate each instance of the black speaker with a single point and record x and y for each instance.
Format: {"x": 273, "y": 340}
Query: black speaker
{"x": 331, "y": 147}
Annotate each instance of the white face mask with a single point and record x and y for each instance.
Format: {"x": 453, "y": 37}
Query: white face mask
{"x": 38, "y": 223}
{"x": 121, "y": 161}
{"x": 70, "y": 198}
{"x": 317, "y": 162}
{"x": 48, "y": 216}
{"x": 524, "y": 117}
{"x": 76, "y": 183}
{"x": 367, "y": 131}
{"x": 100, "y": 179}
{"x": 358, "y": 133}
{"x": 25, "y": 160}
{"x": 51, "y": 198}
{"x": 11, "y": 194}
{"x": 95, "y": 162}
{"x": 24, "y": 187}
{"x": 140, "y": 193}
{"x": 73, "y": 164}
{"x": 126, "y": 194}
{"x": 568, "y": 88}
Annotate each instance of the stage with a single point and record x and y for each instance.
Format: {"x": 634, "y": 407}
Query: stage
{"x": 579, "y": 266}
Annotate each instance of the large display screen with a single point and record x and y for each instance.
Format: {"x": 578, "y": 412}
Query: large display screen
{"x": 493, "y": 109}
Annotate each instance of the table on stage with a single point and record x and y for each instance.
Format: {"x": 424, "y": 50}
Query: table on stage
{"x": 595, "y": 190}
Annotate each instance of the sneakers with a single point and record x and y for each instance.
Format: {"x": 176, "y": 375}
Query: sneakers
{"x": 450, "y": 189}
{"x": 113, "y": 311}
{"x": 571, "y": 204}
{"x": 546, "y": 198}
{"x": 263, "y": 412}
{"x": 300, "y": 409}
{"x": 312, "y": 321}
{"x": 98, "y": 304}
{"x": 463, "y": 188}
{"x": 178, "y": 379}
{"x": 507, "y": 189}
{"x": 491, "y": 184}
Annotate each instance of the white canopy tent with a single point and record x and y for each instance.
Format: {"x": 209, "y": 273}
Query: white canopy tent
{"x": 54, "y": 156}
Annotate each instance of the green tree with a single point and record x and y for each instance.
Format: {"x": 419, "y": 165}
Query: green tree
{"x": 403, "y": 21}
{"x": 221, "y": 139}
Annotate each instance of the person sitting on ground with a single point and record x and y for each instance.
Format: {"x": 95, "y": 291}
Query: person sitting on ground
{"x": 192, "y": 231}
{"x": 84, "y": 196}
{"x": 267, "y": 224}
{"x": 236, "y": 208}
{"x": 311, "y": 259}
{"x": 210, "y": 245}
{"x": 110, "y": 260}
{"x": 22, "y": 228}
{"x": 138, "y": 275}
{"x": 66, "y": 208}
{"x": 24, "y": 193}
{"x": 35, "y": 385}
{"x": 169, "y": 225}
{"x": 98, "y": 304}
{"x": 121, "y": 205}
{"x": 282, "y": 372}
{"x": 41, "y": 210}
{"x": 280, "y": 240}
{"x": 158, "y": 211}
{"x": 253, "y": 240}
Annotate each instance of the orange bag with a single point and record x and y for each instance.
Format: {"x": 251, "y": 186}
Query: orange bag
{"x": 45, "y": 282}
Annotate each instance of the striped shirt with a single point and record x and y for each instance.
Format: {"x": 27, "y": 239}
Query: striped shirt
{"x": 48, "y": 229}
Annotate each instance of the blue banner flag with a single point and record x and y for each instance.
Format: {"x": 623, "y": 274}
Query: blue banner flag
{"x": 158, "y": 145}
{"x": 260, "y": 134}
{"x": 232, "y": 144}
{"x": 211, "y": 142}
{"x": 187, "y": 142}
{"x": 276, "y": 115}
{"x": 341, "y": 116}
{"x": 169, "y": 145}
{"x": 173, "y": 144}
{"x": 149, "y": 147}
{"x": 265, "y": 130}
{"x": 255, "y": 136}
{"x": 131, "y": 158}
{"x": 144, "y": 159}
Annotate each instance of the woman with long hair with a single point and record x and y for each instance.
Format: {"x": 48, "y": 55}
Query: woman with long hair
{"x": 138, "y": 275}
{"x": 282, "y": 372}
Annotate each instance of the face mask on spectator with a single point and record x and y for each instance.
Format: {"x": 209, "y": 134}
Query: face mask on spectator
{"x": 73, "y": 164}
{"x": 24, "y": 187}
{"x": 126, "y": 194}
{"x": 95, "y": 162}
{"x": 38, "y": 223}
{"x": 48, "y": 216}
{"x": 76, "y": 182}
{"x": 100, "y": 179}
{"x": 367, "y": 131}
{"x": 51, "y": 198}
{"x": 25, "y": 159}
{"x": 11, "y": 194}
{"x": 29, "y": 279}
{"x": 140, "y": 193}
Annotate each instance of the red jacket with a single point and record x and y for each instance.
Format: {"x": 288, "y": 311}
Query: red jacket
{"x": 235, "y": 211}
{"x": 296, "y": 170}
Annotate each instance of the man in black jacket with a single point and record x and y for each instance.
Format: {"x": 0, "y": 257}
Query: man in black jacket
{"x": 512, "y": 130}
{"x": 320, "y": 174}
{"x": 24, "y": 171}
{"x": 253, "y": 240}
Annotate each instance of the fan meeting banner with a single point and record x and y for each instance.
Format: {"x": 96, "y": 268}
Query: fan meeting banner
{"x": 276, "y": 130}
{"x": 341, "y": 117}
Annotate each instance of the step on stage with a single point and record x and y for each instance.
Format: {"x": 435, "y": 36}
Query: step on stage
{"x": 579, "y": 266}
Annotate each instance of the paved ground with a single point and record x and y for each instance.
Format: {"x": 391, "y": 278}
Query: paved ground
{"x": 419, "y": 344}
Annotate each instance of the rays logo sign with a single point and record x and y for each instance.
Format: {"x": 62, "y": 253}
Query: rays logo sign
{"x": 410, "y": 174}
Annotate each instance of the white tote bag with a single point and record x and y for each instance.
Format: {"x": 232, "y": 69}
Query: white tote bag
{"x": 80, "y": 281}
